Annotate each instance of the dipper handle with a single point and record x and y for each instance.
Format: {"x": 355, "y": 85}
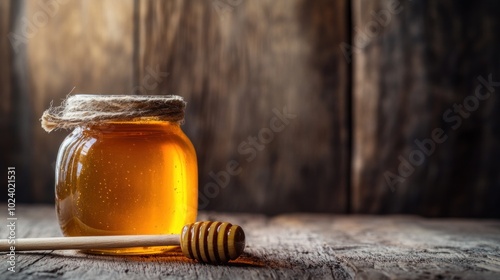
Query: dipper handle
{"x": 210, "y": 242}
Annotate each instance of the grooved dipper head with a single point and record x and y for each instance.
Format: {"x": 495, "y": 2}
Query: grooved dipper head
{"x": 212, "y": 242}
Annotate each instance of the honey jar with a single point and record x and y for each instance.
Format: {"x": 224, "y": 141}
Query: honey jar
{"x": 131, "y": 170}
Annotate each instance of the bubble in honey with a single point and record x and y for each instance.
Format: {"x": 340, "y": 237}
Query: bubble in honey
{"x": 139, "y": 178}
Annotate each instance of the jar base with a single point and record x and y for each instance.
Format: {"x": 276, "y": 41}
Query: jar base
{"x": 130, "y": 251}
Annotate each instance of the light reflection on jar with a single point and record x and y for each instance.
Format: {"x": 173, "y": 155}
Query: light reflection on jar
{"x": 132, "y": 177}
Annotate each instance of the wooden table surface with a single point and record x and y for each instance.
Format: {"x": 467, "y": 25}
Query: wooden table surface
{"x": 293, "y": 246}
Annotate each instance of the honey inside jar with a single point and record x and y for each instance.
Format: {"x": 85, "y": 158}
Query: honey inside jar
{"x": 132, "y": 177}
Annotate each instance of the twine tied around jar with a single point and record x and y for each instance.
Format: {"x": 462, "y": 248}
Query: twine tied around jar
{"x": 86, "y": 109}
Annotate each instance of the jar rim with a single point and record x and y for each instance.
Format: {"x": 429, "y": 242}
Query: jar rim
{"x": 81, "y": 109}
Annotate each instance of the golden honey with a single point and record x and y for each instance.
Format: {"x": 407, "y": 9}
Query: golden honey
{"x": 130, "y": 177}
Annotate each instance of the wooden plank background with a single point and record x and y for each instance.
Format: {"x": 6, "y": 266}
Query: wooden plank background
{"x": 237, "y": 62}
{"x": 244, "y": 62}
{"x": 58, "y": 46}
{"x": 5, "y": 84}
{"x": 414, "y": 70}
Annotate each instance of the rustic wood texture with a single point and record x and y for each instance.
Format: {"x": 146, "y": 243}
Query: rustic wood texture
{"x": 298, "y": 246}
{"x": 5, "y": 65}
{"x": 83, "y": 44}
{"x": 5, "y": 81}
{"x": 237, "y": 61}
{"x": 407, "y": 74}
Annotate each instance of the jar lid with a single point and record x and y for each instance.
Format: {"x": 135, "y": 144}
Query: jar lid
{"x": 82, "y": 109}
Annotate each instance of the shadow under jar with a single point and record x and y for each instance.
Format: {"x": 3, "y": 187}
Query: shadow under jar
{"x": 126, "y": 177}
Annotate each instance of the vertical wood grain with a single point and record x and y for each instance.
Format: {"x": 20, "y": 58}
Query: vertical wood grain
{"x": 236, "y": 62}
{"x": 16, "y": 138}
{"x": 5, "y": 82}
{"x": 407, "y": 75}
{"x": 82, "y": 44}
{"x": 5, "y": 65}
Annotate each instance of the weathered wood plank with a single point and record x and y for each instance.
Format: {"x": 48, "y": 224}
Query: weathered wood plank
{"x": 413, "y": 61}
{"x": 289, "y": 247}
{"x": 83, "y": 44}
{"x": 5, "y": 82}
{"x": 5, "y": 65}
{"x": 238, "y": 63}
{"x": 235, "y": 65}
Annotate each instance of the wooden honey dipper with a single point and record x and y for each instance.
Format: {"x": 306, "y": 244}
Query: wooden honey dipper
{"x": 209, "y": 242}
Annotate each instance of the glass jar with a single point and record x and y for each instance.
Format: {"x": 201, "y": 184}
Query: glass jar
{"x": 125, "y": 177}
